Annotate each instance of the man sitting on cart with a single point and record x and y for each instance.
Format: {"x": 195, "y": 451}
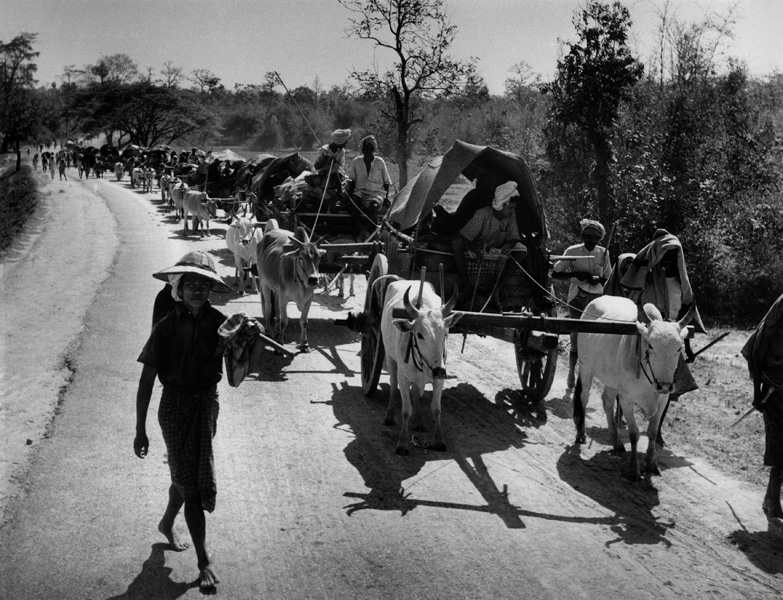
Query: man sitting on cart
{"x": 367, "y": 186}
{"x": 491, "y": 230}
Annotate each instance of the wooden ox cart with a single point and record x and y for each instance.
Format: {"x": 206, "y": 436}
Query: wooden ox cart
{"x": 414, "y": 240}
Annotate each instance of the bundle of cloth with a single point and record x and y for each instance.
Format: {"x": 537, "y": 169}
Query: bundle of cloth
{"x": 305, "y": 192}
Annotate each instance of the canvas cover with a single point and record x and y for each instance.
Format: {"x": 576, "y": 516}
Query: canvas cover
{"x": 415, "y": 201}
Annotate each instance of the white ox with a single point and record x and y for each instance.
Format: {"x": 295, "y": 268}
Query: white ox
{"x": 167, "y": 181}
{"x": 177, "y": 193}
{"x": 416, "y": 353}
{"x": 287, "y": 275}
{"x": 242, "y": 238}
{"x": 201, "y": 207}
{"x": 637, "y": 370}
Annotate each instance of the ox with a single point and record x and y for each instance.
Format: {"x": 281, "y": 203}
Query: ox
{"x": 148, "y": 178}
{"x": 201, "y": 207}
{"x": 638, "y": 370}
{"x": 242, "y": 238}
{"x": 177, "y": 193}
{"x": 416, "y": 353}
{"x": 287, "y": 275}
{"x": 167, "y": 181}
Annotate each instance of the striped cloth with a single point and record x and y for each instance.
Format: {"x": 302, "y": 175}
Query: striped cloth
{"x": 188, "y": 420}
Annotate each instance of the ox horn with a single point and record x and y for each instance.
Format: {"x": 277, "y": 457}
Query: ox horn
{"x": 297, "y": 243}
{"x": 449, "y": 306}
{"x": 406, "y": 300}
{"x": 641, "y": 315}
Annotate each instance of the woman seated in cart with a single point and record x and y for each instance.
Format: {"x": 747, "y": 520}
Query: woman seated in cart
{"x": 491, "y": 231}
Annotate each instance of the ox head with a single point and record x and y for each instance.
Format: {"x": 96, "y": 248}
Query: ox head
{"x": 429, "y": 328}
{"x": 211, "y": 207}
{"x": 307, "y": 257}
{"x": 662, "y": 347}
{"x": 245, "y": 229}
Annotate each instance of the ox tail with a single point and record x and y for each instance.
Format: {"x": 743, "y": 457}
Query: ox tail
{"x": 579, "y": 409}
{"x": 579, "y": 412}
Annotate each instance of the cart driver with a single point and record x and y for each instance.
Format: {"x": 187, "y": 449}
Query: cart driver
{"x": 491, "y": 230}
{"x": 367, "y": 186}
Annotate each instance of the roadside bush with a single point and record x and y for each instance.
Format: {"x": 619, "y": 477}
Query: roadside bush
{"x": 18, "y": 200}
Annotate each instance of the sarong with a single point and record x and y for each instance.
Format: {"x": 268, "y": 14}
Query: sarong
{"x": 188, "y": 420}
{"x": 773, "y": 427}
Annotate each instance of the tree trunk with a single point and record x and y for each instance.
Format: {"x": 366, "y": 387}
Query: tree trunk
{"x": 18, "y": 156}
{"x": 603, "y": 158}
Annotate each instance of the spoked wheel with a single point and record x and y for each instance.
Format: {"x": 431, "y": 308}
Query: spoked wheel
{"x": 536, "y": 355}
{"x": 373, "y": 355}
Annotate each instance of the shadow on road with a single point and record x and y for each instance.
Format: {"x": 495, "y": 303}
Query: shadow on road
{"x": 154, "y": 582}
{"x": 763, "y": 548}
{"x": 474, "y": 426}
{"x": 602, "y": 478}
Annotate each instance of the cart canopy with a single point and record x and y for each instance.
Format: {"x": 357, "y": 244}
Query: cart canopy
{"x": 422, "y": 193}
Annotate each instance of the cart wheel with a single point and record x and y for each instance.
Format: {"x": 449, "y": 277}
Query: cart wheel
{"x": 536, "y": 367}
{"x": 372, "y": 355}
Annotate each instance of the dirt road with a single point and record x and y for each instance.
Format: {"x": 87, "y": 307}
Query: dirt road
{"x": 312, "y": 501}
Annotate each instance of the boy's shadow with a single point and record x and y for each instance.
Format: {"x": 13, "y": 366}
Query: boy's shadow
{"x": 154, "y": 582}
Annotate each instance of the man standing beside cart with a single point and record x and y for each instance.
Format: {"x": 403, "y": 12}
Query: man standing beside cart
{"x": 588, "y": 274}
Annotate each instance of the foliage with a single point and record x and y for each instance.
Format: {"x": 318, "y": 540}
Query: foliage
{"x": 592, "y": 80}
{"x": 418, "y": 35}
{"x": 18, "y": 201}
{"x": 17, "y": 103}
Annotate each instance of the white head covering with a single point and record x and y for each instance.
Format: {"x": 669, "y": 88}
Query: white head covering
{"x": 340, "y": 136}
{"x": 590, "y": 226}
{"x": 174, "y": 281}
{"x": 504, "y": 193}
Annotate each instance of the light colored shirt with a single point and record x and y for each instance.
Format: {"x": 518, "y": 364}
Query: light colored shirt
{"x": 487, "y": 232}
{"x": 369, "y": 183}
{"x": 599, "y": 265}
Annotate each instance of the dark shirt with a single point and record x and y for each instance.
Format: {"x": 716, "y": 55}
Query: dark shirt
{"x": 186, "y": 350}
{"x": 164, "y": 304}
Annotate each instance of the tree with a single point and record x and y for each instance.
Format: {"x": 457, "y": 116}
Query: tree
{"x": 592, "y": 80}
{"x": 172, "y": 76}
{"x": 117, "y": 69}
{"x": 17, "y": 104}
{"x": 206, "y": 81}
{"x": 419, "y": 35}
{"x": 151, "y": 115}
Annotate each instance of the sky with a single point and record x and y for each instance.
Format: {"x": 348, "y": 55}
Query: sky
{"x": 241, "y": 40}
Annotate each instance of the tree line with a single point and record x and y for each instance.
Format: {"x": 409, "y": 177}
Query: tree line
{"x": 687, "y": 141}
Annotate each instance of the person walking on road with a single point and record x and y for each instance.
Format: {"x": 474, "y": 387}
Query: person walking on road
{"x": 61, "y": 168}
{"x": 185, "y": 352}
{"x": 764, "y": 353}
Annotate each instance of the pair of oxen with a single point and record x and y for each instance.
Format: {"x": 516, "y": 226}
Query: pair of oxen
{"x": 636, "y": 370}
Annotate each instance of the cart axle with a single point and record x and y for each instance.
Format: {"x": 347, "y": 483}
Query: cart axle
{"x": 354, "y": 322}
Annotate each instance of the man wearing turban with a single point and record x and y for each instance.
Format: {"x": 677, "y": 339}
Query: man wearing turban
{"x": 658, "y": 276}
{"x": 764, "y": 353}
{"x": 491, "y": 230}
{"x": 368, "y": 185}
{"x": 331, "y": 156}
{"x": 588, "y": 274}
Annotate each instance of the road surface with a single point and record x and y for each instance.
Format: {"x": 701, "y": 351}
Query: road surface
{"x": 312, "y": 500}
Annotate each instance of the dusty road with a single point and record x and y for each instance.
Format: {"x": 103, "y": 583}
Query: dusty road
{"x": 312, "y": 500}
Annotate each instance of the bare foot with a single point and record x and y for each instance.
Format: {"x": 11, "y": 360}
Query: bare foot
{"x": 175, "y": 540}
{"x": 207, "y": 578}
